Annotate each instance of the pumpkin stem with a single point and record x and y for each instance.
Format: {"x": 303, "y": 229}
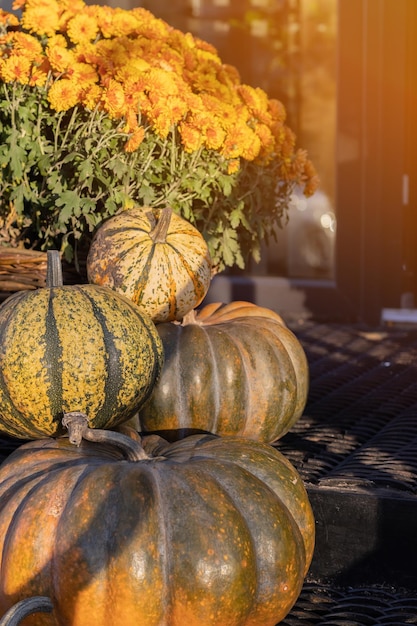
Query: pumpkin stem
{"x": 37, "y": 604}
{"x": 159, "y": 232}
{"x": 77, "y": 425}
{"x": 189, "y": 318}
{"x": 53, "y": 269}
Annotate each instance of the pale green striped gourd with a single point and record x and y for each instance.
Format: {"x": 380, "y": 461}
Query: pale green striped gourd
{"x": 154, "y": 257}
{"x": 73, "y": 348}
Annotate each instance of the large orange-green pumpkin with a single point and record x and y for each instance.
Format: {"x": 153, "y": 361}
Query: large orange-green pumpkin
{"x": 67, "y": 348}
{"x": 230, "y": 369}
{"x": 202, "y": 532}
{"x": 154, "y": 257}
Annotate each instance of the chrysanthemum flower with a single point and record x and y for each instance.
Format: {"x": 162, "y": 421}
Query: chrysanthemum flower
{"x": 82, "y": 28}
{"x": 83, "y": 73}
{"x": 191, "y": 137}
{"x": 8, "y": 19}
{"x": 39, "y": 74}
{"x": 135, "y": 140}
{"x": 27, "y": 45}
{"x": 16, "y": 69}
{"x": 91, "y": 97}
{"x": 113, "y": 99}
{"x": 60, "y": 57}
{"x": 64, "y": 94}
{"x": 41, "y": 19}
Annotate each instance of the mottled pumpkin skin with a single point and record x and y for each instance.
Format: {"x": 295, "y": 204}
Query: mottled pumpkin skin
{"x": 73, "y": 348}
{"x": 212, "y": 533}
{"x": 233, "y": 369}
{"x": 165, "y": 278}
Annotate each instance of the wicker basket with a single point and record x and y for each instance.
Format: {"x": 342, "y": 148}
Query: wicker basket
{"x": 22, "y": 269}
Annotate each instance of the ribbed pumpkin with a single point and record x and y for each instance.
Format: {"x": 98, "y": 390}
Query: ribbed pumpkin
{"x": 73, "y": 348}
{"x": 154, "y": 257}
{"x": 203, "y": 532}
{"x": 230, "y": 369}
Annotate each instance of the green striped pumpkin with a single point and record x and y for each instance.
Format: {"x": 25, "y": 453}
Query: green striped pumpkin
{"x": 154, "y": 257}
{"x": 69, "y": 348}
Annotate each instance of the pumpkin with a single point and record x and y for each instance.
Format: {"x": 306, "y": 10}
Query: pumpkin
{"x": 201, "y": 532}
{"x": 230, "y": 369}
{"x": 154, "y": 257}
{"x": 70, "y": 348}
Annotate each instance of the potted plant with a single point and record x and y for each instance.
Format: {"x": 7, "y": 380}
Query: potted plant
{"x": 103, "y": 109}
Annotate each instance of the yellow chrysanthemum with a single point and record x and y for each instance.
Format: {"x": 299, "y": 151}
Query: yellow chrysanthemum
{"x": 233, "y": 166}
{"x": 91, "y": 96}
{"x": 60, "y": 58}
{"x": 8, "y": 19}
{"x": 82, "y": 28}
{"x": 149, "y": 26}
{"x": 113, "y": 99}
{"x": 16, "y": 69}
{"x": 27, "y": 45}
{"x": 70, "y": 10}
{"x": 191, "y": 137}
{"x": 241, "y": 141}
{"x": 277, "y": 110}
{"x": 161, "y": 85}
{"x": 266, "y": 137}
{"x": 131, "y": 71}
{"x": 254, "y": 98}
{"x": 64, "y": 94}
{"x": 39, "y": 74}
{"x": 109, "y": 56}
{"x": 215, "y": 137}
{"x": 83, "y": 73}
{"x": 122, "y": 22}
{"x": 42, "y": 19}
{"x": 161, "y": 119}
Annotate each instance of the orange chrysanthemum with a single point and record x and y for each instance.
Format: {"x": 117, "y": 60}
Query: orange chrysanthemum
{"x": 191, "y": 137}
{"x": 114, "y": 99}
{"x": 233, "y": 166}
{"x": 8, "y": 19}
{"x": 135, "y": 140}
{"x": 91, "y": 97}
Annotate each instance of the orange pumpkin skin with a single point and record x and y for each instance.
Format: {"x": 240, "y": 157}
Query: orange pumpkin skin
{"x": 154, "y": 257}
{"x": 230, "y": 369}
{"x": 210, "y": 533}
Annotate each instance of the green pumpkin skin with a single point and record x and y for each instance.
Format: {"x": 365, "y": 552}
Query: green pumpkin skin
{"x": 231, "y": 369}
{"x": 73, "y": 348}
{"x": 207, "y": 532}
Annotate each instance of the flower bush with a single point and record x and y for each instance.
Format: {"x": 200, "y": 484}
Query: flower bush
{"x": 102, "y": 109}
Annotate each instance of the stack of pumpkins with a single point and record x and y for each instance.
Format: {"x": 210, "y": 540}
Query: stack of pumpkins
{"x": 208, "y": 525}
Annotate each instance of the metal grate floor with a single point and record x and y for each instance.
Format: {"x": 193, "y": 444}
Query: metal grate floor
{"x": 360, "y": 422}
{"x": 325, "y": 605}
